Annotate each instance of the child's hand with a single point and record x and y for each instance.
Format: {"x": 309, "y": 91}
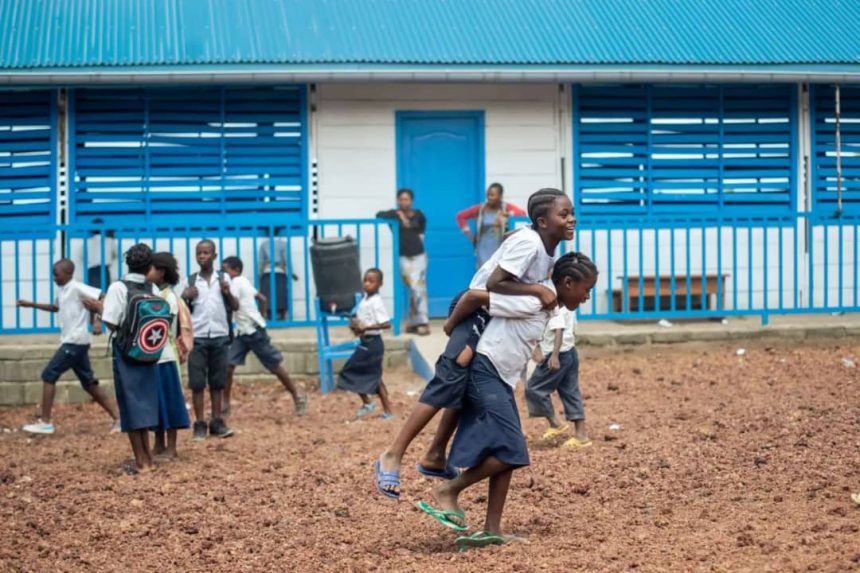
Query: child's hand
{"x": 97, "y": 328}
{"x": 225, "y": 287}
{"x": 554, "y": 364}
{"x": 24, "y": 303}
{"x": 190, "y": 293}
{"x": 547, "y": 297}
{"x": 448, "y": 327}
{"x": 537, "y": 355}
{"x": 92, "y": 304}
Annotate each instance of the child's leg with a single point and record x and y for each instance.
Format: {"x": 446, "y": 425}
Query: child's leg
{"x": 436, "y": 457}
{"x": 498, "y": 494}
{"x": 48, "y": 393}
{"x": 197, "y": 376}
{"x": 539, "y": 391}
{"x": 217, "y": 373}
{"x": 448, "y": 492}
{"x": 365, "y": 399}
{"x": 228, "y": 388}
{"x": 281, "y": 373}
{"x": 171, "y": 443}
{"x": 421, "y": 415}
{"x": 140, "y": 448}
{"x": 99, "y": 397}
{"x": 197, "y": 400}
{"x": 383, "y": 397}
{"x": 159, "y": 446}
{"x": 571, "y": 398}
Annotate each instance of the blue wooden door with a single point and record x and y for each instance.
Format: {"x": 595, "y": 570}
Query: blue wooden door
{"x": 440, "y": 156}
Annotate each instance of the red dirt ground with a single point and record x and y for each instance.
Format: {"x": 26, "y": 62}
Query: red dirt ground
{"x": 722, "y": 463}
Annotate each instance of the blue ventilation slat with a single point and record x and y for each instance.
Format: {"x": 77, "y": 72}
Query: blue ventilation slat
{"x": 642, "y": 149}
{"x": 825, "y": 188}
{"x": 28, "y": 158}
{"x": 207, "y": 153}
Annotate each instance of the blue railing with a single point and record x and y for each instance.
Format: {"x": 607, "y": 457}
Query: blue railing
{"x": 714, "y": 267}
{"x": 27, "y": 259}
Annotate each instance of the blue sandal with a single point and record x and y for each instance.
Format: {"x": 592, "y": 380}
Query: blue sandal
{"x": 450, "y": 472}
{"x": 387, "y": 479}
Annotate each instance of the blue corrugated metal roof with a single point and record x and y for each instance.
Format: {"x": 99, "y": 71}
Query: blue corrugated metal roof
{"x": 59, "y": 34}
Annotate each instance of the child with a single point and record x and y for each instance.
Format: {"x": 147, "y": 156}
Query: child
{"x": 136, "y": 384}
{"x": 489, "y": 440}
{"x": 558, "y": 370}
{"x": 252, "y": 336}
{"x": 172, "y": 413}
{"x": 74, "y": 348}
{"x": 362, "y": 373}
{"x": 208, "y": 295}
{"x": 524, "y": 259}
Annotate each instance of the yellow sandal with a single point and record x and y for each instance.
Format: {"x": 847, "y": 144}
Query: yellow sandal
{"x": 553, "y": 433}
{"x": 576, "y": 444}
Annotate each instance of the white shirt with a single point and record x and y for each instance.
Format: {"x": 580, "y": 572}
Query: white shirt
{"x": 209, "y": 315}
{"x": 248, "y": 317}
{"x": 280, "y": 251}
{"x": 371, "y": 310}
{"x": 168, "y": 355}
{"x": 73, "y": 317}
{"x": 116, "y": 299}
{"x": 522, "y": 254}
{"x": 565, "y": 321}
{"x": 517, "y": 327}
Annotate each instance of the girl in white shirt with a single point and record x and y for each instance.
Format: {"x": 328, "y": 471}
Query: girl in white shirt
{"x": 362, "y": 373}
{"x": 489, "y": 440}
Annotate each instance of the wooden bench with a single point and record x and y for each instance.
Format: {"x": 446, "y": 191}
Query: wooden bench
{"x": 649, "y": 292}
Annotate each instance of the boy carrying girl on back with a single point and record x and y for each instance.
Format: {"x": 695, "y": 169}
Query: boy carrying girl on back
{"x": 75, "y": 340}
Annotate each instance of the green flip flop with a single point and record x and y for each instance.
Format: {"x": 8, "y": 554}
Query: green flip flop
{"x": 446, "y": 518}
{"x": 479, "y": 539}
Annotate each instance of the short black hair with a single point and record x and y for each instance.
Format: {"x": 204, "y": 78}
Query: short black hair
{"x": 234, "y": 263}
{"x": 407, "y": 191}
{"x": 497, "y": 186}
{"x": 139, "y": 258}
{"x": 575, "y": 265}
{"x": 541, "y": 201}
{"x": 167, "y": 263}
{"x": 207, "y": 242}
{"x": 377, "y": 271}
{"x": 66, "y": 264}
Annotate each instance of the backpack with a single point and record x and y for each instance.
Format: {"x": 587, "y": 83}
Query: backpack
{"x": 145, "y": 330}
{"x": 192, "y": 281}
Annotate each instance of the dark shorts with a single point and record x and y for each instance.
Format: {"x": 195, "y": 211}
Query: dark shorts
{"x": 280, "y": 300}
{"x": 94, "y": 277}
{"x": 207, "y": 364}
{"x": 489, "y": 421}
{"x": 258, "y": 343}
{"x": 74, "y": 357}
{"x": 448, "y": 386}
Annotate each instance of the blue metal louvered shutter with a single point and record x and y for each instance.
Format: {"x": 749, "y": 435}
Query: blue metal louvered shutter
{"x": 644, "y": 150}
{"x": 823, "y": 119}
{"x": 28, "y": 158}
{"x": 189, "y": 155}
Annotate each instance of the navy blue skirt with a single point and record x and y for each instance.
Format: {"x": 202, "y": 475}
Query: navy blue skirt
{"x": 136, "y": 387}
{"x": 172, "y": 413}
{"x": 362, "y": 373}
{"x": 489, "y": 421}
{"x": 448, "y": 386}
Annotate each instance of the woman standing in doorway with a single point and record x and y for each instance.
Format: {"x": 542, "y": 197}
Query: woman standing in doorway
{"x": 413, "y": 258}
{"x": 491, "y": 222}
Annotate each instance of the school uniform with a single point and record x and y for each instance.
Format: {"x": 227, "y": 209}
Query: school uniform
{"x": 251, "y": 335}
{"x": 524, "y": 256}
{"x": 135, "y": 384}
{"x": 75, "y": 339}
{"x": 489, "y": 420}
{"x": 172, "y": 413}
{"x": 362, "y": 373}
{"x": 565, "y": 380}
{"x": 207, "y": 363}
{"x": 279, "y": 299}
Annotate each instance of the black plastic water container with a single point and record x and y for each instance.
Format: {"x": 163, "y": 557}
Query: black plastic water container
{"x": 337, "y": 274}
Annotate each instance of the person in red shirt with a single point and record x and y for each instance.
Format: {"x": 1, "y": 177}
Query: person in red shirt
{"x": 491, "y": 222}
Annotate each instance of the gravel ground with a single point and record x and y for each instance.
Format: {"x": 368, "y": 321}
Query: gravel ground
{"x": 721, "y": 463}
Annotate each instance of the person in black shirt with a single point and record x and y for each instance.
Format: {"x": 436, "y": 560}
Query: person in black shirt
{"x": 413, "y": 259}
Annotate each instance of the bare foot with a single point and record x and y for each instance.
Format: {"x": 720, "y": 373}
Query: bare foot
{"x": 389, "y": 462}
{"x": 446, "y": 497}
{"x": 432, "y": 462}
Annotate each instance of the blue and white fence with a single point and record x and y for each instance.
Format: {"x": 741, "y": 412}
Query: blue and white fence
{"x": 27, "y": 259}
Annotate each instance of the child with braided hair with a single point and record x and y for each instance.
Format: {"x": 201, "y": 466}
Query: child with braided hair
{"x": 489, "y": 440}
{"x": 522, "y": 261}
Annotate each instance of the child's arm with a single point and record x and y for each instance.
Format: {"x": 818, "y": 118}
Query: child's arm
{"x": 38, "y": 305}
{"x": 502, "y": 282}
{"x": 231, "y": 300}
{"x": 554, "y": 363}
{"x": 362, "y": 328}
{"x": 264, "y": 303}
{"x": 470, "y": 302}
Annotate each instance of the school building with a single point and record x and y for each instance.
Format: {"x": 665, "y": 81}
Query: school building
{"x": 711, "y": 149}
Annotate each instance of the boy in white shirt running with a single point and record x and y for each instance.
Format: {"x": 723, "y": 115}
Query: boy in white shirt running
{"x": 75, "y": 340}
{"x": 251, "y": 336}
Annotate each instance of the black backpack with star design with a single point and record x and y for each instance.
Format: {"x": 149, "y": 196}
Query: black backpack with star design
{"x": 145, "y": 330}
